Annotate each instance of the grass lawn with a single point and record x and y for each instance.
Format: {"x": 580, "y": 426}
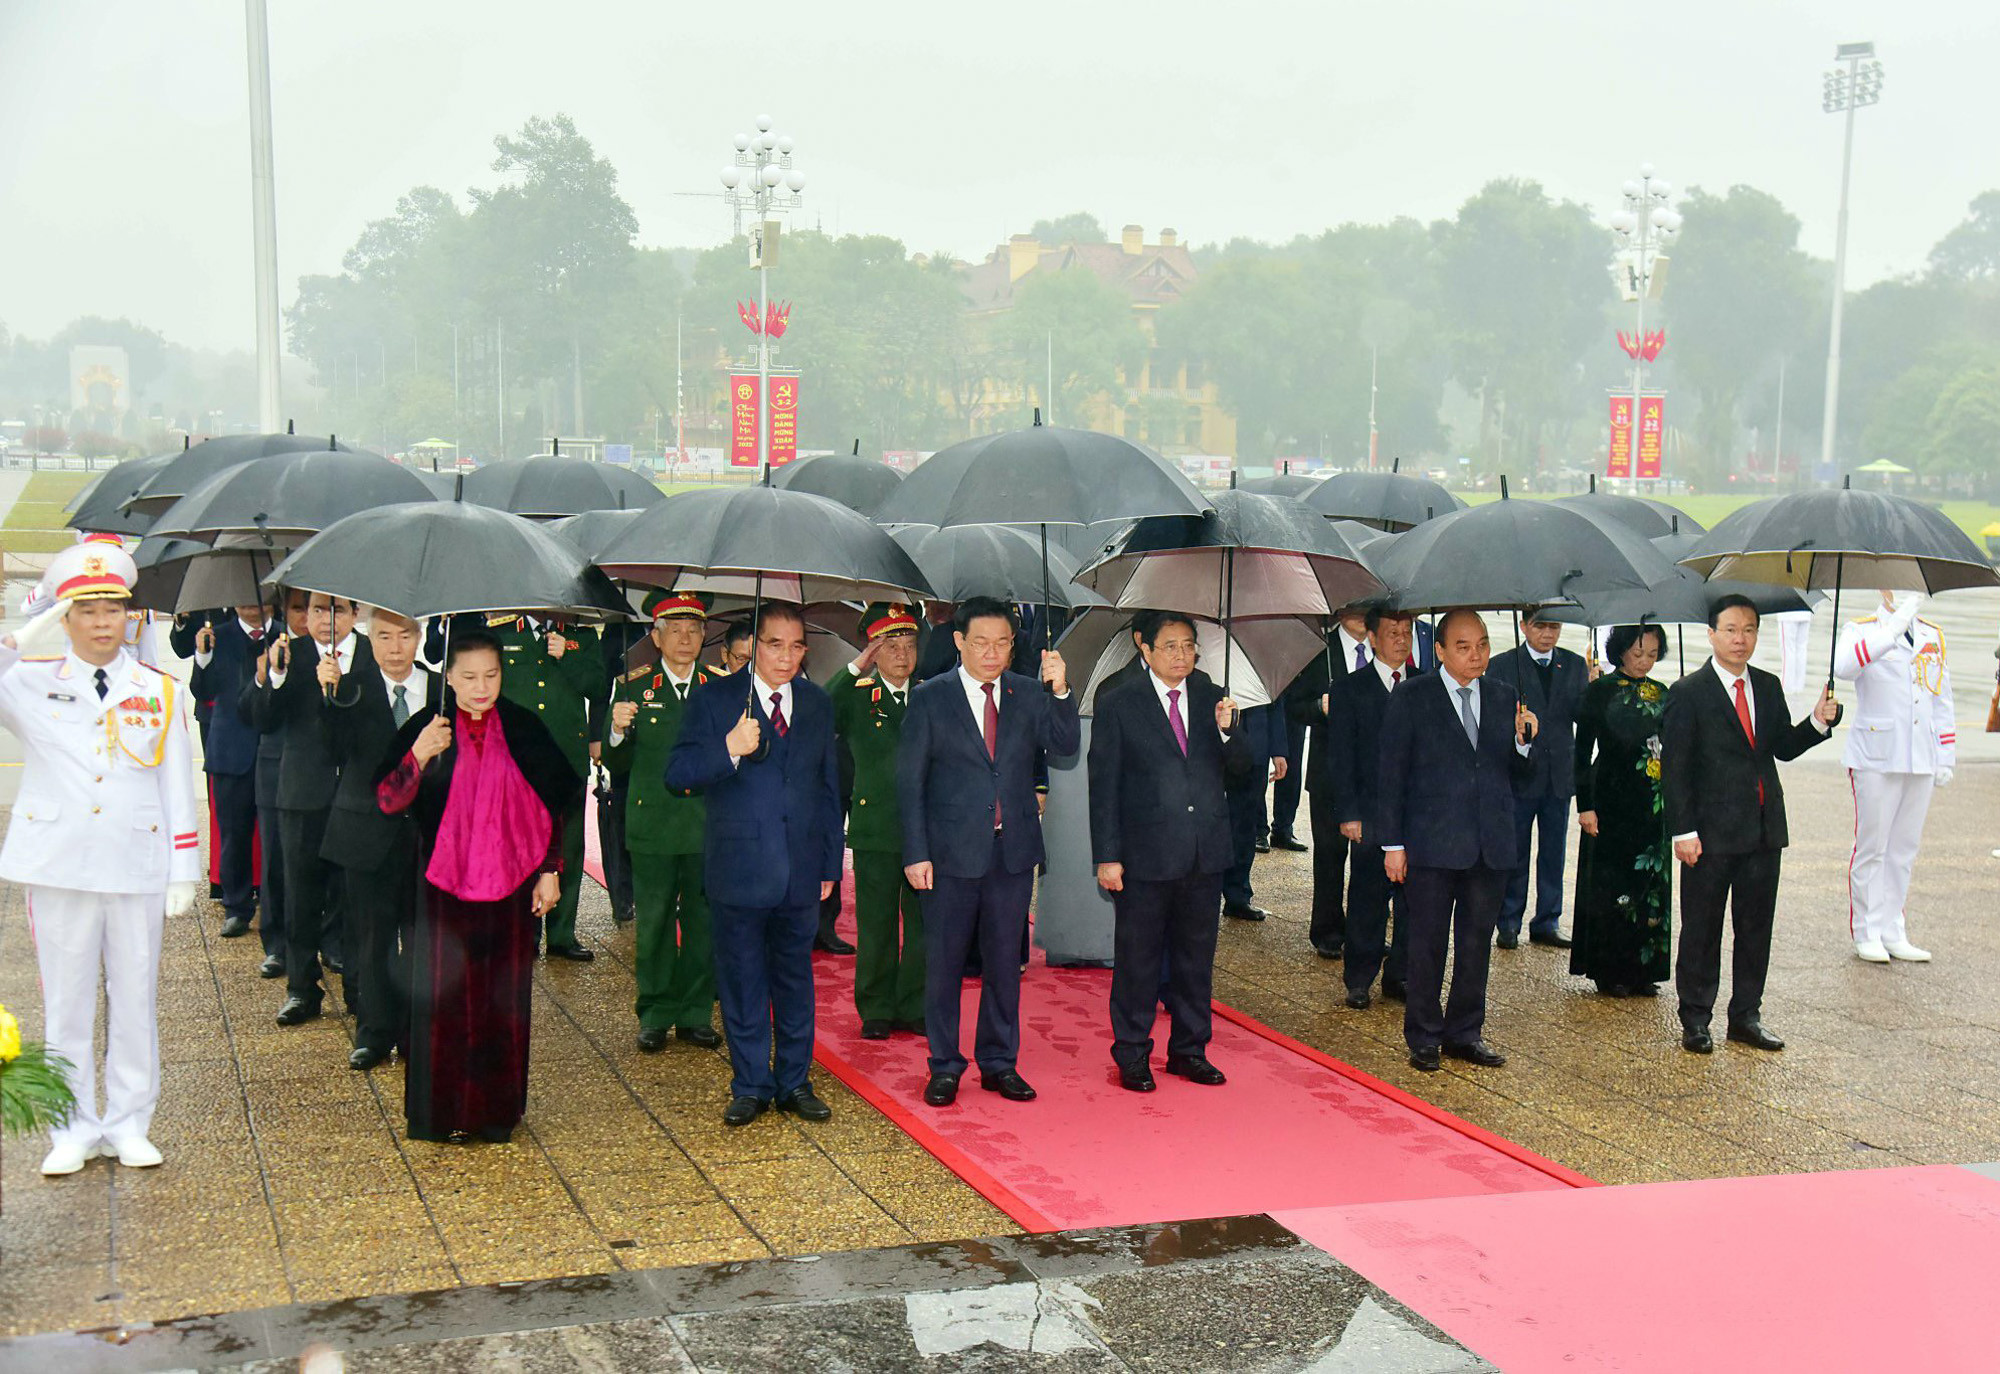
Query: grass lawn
{"x": 35, "y": 524}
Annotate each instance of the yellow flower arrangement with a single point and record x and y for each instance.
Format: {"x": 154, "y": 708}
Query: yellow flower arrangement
{"x": 34, "y": 1084}
{"x": 10, "y": 1037}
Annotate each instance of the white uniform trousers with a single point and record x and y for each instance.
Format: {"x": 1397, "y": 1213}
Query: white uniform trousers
{"x": 76, "y": 935}
{"x": 1889, "y": 811}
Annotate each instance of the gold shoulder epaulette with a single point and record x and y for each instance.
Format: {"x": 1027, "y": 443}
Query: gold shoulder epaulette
{"x": 496, "y": 619}
{"x": 1866, "y": 620}
{"x": 637, "y": 673}
{"x": 864, "y": 682}
{"x": 1934, "y": 630}
{"x": 42, "y": 658}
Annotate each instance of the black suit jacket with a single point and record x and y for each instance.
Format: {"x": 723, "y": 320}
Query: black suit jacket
{"x": 1353, "y": 736}
{"x": 1162, "y": 815}
{"x": 1554, "y": 773}
{"x": 947, "y": 787}
{"x": 308, "y": 773}
{"x": 1314, "y": 681}
{"x": 1447, "y": 804}
{"x": 1709, "y": 771}
{"x": 359, "y": 730}
{"x": 231, "y": 746}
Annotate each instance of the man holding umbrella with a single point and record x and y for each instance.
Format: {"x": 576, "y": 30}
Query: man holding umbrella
{"x": 1550, "y": 679}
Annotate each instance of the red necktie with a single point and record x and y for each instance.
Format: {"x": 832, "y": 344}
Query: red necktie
{"x": 778, "y": 713}
{"x": 1395, "y": 676}
{"x": 992, "y": 732}
{"x": 1749, "y": 733}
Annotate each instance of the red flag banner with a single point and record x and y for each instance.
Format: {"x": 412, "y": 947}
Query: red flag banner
{"x": 1621, "y": 437}
{"x": 784, "y": 420}
{"x": 1652, "y": 430}
{"x": 742, "y": 421}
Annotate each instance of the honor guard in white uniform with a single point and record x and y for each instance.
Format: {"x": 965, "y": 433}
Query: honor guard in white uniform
{"x": 1901, "y": 746}
{"x": 103, "y": 837}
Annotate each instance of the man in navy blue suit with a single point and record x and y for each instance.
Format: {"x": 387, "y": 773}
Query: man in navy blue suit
{"x": 1550, "y": 679}
{"x": 972, "y": 834}
{"x": 1452, "y": 741}
{"x": 759, "y": 744}
{"x": 225, "y": 658}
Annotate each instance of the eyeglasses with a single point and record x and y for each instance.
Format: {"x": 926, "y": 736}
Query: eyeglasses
{"x": 1174, "y": 646}
{"x": 985, "y": 645}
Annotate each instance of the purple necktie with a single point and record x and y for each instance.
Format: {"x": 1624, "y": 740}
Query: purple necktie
{"x": 1174, "y": 715}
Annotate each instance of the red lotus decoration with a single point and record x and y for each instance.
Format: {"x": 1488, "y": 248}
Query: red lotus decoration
{"x": 1645, "y": 346}
{"x": 776, "y": 317}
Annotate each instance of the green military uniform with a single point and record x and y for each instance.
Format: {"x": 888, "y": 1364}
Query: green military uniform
{"x": 663, "y": 834}
{"x": 889, "y": 959}
{"x": 559, "y": 691}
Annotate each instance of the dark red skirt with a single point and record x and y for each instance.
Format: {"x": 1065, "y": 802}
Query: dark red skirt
{"x": 474, "y": 968}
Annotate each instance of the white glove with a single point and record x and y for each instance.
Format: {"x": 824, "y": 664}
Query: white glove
{"x": 1906, "y": 610}
{"x": 43, "y": 634}
{"x": 1942, "y": 777}
{"x": 180, "y": 898}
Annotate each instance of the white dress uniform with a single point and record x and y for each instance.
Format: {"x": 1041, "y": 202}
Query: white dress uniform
{"x": 104, "y": 822}
{"x": 1902, "y": 745}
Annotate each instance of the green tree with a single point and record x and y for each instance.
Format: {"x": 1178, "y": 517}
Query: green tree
{"x": 1080, "y": 227}
{"x": 1087, "y": 325}
{"x": 1971, "y": 252}
{"x": 1962, "y": 432}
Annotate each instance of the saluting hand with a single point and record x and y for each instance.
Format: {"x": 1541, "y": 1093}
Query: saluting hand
{"x": 623, "y": 713}
{"x": 744, "y": 737}
{"x": 432, "y": 740}
{"x": 865, "y": 660}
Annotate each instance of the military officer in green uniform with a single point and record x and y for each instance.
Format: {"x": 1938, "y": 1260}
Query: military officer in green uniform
{"x": 869, "y": 697}
{"x": 675, "y": 961}
{"x": 556, "y": 670}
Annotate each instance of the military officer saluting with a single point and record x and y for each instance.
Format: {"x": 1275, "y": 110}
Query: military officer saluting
{"x": 1901, "y": 746}
{"x": 675, "y": 959}
{"x": 869, "y": 697}
{"x": 556, "y": 671}
{"x": 104, "y": 838}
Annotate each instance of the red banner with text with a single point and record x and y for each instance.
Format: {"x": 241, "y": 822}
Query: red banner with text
{"x": 1621, "y": 437}
{"x": 784, "y": 420}
{"x": 742, "y": 421}
{"x": 1652, "y": 431}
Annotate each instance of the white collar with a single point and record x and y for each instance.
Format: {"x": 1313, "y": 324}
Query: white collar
{"x": 1383, "y": 670}
{"x": 1543, "y": 659}
{"x": 973, "y": 686}
{"x": 667, "y": 668}
{"x": 1729, "y": 679}
{"x": 249, "y": 629}
{"x": 765, "y": 689}
{"x": 411, "y": 683}
{"x": 1449, "y": 676}
{"x": 1161, "y": 688}
{"x": 114, "y": 671}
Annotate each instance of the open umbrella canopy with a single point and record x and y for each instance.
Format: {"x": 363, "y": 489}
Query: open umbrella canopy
{"x": 965, "y": 561}
{"x": 1886, "y": 466}
{"x": 550, "y": 486}
{"x": 1258, "y": 658}
{"x": 791, "y": 545}
{"x": 100, "y": 508}
{"x": 1042, "y": 475}
{"x": 1249, "y": 556}
{"x": 1681, "y": 598}
{"x": 592, "y": 532}
{"x": 185, "y": 471}
{"x": 1280, "y": 484}
{"x": 1640, "y": 514}
{"x": 1387, "y": 500}
{"x": 1514, "y": 554}
{"x": 860, "y": 484}
{"x": 178, "y": 576}
{"x": 425, "y": 558}
{"x": 290, "y": 493}
{"x": 1829, "y": 538}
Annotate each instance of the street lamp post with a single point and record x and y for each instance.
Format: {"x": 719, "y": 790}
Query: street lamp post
{"x": 1648, "y": 224}
{"x": 1844, "y": 91}
{"x": 761, "y": 177}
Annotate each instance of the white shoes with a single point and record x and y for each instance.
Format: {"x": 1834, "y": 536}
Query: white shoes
{"x": 1872, "y": 951}
{"x": 68, "y": 1158}
{"x": 134, "y": 1152}
{"x": 1907, "y": 952}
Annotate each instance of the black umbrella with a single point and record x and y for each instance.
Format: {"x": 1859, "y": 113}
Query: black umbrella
{"x": 185, "y": 471}
{"x": 1005, "y": 561}
{"x": 592, "y": 532}
{"x": 425, "y": 558}
{"x": 100, "y": 507}
{"x": 551, "y": 486}
{"x": 178, "y": 576}
{"x": 1389, "y": 500}
{"x": 860, "y": 484}
{"x": 290, "y": 493}
{"x": 1640, "y": 514}
{"x": 1680, "y": 598}
{"x": 1282, "y": 484}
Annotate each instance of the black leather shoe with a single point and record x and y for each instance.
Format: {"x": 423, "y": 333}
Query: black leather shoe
{"x": 1393, "y": 990}
{"x": 1262, "y": 846}
{"x": 624, "y": 916}
{"x": 1555, "y": 941}
{"x": 1288, "y": 843}
{"x": 741, "y": 1111}
{"x": 652, "y": 1039}
{"x": 1477, "y": 1052}
{"x": 215, "y": 892}
{"x": 1008, "y": 1084}
{"x": 1613, "y": 990}
{"x": 1508, "y": 939}
{"x": 1195, "y": 1069}
{"x": 297, "y": 1011}
{"x": 366, "y": 1057}
{"x": 1360, "y": 1001}
{"x": 803, "y": 1103}
{"x": 1425, "y": 1059}
{"x": 1645, "y": 989}
{"x": 272, "y": 967}
{"x": 1328, "y": 951}
{"x": 916, "y": 1027}
{"x": 942, "y": 1090}
{"x": 233, "y": 927}
{"x": 876, "y": 1030}
{"x": 1136, "y": 1078}
{"x": 1243, "y": 911}
{"x": 832, "y": 944}
{"x": 704, "y": 1036}
{"x": 1753, "y": 1034}
{"x": 1696, "y": 1040}
{"x": 576, "y": 954}
{"x": 333, "y": 965}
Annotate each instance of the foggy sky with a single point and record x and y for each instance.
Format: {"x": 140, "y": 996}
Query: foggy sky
{"x": 124, "y": 151}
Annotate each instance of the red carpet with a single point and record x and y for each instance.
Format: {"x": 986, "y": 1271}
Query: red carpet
{"x": 1867, "y": 1270}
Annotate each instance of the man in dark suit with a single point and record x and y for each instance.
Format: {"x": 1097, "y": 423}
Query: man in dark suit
{"x": 287, "y": 619}
{"x": 1550, "y": 679}
{"x": 760, "y": 745}
{"x": 1162, "y": 749}
{"x": 972, "y": 834}
{"x": 1306, "y": 702}
{"x": 1726, "y": 727}
{"x": 290, "y": 703}
{"x": 1451, "y": 743}
{"x": 1262, "y": 729}
{"x": 225, "y": 659}
{"x": 1354, "y": 732}
{"x": 376, "y": 853}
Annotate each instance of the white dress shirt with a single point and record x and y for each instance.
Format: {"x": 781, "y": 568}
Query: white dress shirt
{"x": 413, "y": 686}
{"x": 1391, "y": 677}
{"x": 1178, "y": 706}
{"x": 975, "y": 697}
{"x": 1348, "y": 644}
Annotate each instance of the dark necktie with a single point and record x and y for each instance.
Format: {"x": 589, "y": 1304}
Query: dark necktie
{"x": 992, "y": 733}
{"x": 103, "y": 686}
{"x": 778, "y": 713}
{"x": 680, "y": 691}
{"x": 1360, "y": 657}
{"x": 1395, "y": 676}
{"x": 1465, "y": 714}
{"x": 399, "y": 705}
